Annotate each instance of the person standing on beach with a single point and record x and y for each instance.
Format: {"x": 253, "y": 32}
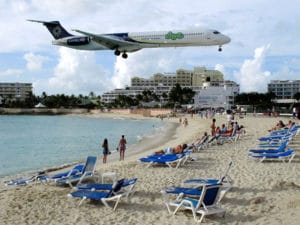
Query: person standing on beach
{"x": 105, "y": 150}
{"x": 122, "y": 147}
{"x": 213, "y": 127}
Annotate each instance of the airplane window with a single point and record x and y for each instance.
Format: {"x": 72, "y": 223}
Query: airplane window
{"x": 216, "y": 32}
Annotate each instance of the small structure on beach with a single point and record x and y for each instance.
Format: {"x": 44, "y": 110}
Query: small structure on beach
{"x": 40, "y": 105}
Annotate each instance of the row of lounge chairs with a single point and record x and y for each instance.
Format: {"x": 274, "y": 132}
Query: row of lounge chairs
{"x": 275, "y": 146}
{"x": 103, "y": 192}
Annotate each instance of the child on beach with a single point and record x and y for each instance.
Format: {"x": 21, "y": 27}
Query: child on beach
{"x": 105, "y": 150}
{"x": 122, "y": 147}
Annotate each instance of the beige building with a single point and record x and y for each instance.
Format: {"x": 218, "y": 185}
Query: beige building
{"x": 186, "y": 78}
{"x": 15, "y": 91}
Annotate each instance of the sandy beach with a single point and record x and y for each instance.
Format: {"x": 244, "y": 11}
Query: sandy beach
{"x": 263, "y": 193}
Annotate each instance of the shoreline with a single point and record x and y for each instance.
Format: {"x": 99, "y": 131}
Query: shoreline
{"x": 146, "y": 142}
{"x": 263, "y": 193}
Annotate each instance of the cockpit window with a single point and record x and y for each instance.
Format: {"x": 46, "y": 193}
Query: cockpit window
{"x": 216, "y": 32}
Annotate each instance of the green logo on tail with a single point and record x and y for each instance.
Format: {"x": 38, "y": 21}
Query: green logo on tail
{"x": 174, "y": 36}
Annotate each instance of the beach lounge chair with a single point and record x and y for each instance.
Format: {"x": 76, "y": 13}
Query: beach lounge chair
{"x": 205, "y": 204}
{"x": 275, "y": 137}
{"x": 224, "y": 179}
{"x": 126, "y": 187}
{"x": 76, "y": 170}
{"x": 269, "y": 149}
{"x": 286, "y": 156}
{"x": 112, "y": 195}
{"x": 202, "y": 143}
{"x": 87, "y": 172}
{"x": 165, "y": 159}
{"x": 24, "y": 181}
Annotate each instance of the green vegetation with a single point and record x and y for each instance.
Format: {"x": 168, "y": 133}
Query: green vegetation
{"x": 55, "y": 101}
{"x": 262, "y": 102}
{"x": 148, "y": 98}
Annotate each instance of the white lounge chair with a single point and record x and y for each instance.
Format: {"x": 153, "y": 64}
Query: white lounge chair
{"x": 87, "y": 172}
{"x": 206, "y": 204}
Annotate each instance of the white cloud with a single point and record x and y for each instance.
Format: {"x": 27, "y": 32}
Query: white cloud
{"x": 144, "y": 63}
{"x": 9, "y": 72}
{"x": 34, "y": 61}
{"x": 247, "y": 23}
{"x": 251, "y": 76}
{"x": 78, "y": 72}
{"x": 221, "y": 68}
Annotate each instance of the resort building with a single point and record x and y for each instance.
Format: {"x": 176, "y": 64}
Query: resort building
{"x": 284, "y": 89}
{"x": 186, "y": 78}
{"x": 210, "y": 87}
{"x": 15, "y": 91}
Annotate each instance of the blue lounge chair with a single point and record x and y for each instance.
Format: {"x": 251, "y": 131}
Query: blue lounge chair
{"x": 76, "y": 170}
{"x": 225, "y": 179}
{"x": 87, "y": 172}
{"x": 104, "y": 196}
{"x": 166, "y": 159}
{"x": 127, "y": 187}
{"x": 205, "y": 204}
{"x": 269, "y": 149}
{"x": 24, "y": 181}
{"x": 286, "y": 156}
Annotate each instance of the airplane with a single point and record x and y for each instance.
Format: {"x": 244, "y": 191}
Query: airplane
{"x": 122, "y": 43}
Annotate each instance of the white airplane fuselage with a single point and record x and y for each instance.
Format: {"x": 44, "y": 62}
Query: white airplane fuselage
{"x": 156, "y": 39}
{"x": 131, "y": 42}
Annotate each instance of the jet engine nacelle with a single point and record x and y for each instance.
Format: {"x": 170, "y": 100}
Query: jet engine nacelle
{"x": 77, "y": 41}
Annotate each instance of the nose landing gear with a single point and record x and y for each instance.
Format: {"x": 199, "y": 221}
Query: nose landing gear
{"x": 220, "y": 48}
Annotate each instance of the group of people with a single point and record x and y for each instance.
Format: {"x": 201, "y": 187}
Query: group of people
{"x": 184, "y": 121}
{"x": 231, "y": 129}
{"x": 280, "y": 125}
{"x": 121, "y": 148}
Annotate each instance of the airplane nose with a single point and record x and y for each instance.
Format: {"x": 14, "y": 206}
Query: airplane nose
{"x": 226, "y": 39}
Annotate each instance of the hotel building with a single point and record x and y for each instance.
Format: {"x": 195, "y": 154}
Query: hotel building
{"x": 15, "y": 91}
{"x": 210, "y": 87}
{"x": 284, "y": 89}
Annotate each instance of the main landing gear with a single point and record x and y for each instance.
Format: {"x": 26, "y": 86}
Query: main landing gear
{"x": 220, "y": 48}
{"x": 124, "y": 54}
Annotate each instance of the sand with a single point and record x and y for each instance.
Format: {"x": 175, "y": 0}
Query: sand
{"x": 263, "y": 193}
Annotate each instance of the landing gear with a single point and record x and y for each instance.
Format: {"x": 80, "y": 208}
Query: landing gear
{"x": 124, "y": 55}
{"x": 220, "y": 48}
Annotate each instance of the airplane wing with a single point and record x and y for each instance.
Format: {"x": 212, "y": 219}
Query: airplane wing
{"x": 110, "y": 41}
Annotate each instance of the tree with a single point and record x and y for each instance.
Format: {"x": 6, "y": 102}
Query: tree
{"x": 181, "y": 96}
{"x": 297, "y": 96}
{"x": 256, "y": 99}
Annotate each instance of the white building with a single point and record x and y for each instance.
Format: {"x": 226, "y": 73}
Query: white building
{"x": 216, "y": 96}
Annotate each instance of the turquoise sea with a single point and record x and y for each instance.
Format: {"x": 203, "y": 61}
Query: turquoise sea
{"x": 30, "y": 143}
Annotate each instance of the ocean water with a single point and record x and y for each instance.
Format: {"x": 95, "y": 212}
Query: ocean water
{"x": 30, "y": 143}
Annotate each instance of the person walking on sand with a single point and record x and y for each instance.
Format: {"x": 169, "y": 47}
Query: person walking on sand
{"x": 122, "y": 147}
{"x": 105, "y": 150}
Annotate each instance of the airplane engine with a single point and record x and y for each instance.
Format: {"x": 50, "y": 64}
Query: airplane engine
{"x": 77, "y": 41}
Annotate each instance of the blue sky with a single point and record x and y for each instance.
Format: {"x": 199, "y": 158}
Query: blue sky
{"x": 265, "y": 42}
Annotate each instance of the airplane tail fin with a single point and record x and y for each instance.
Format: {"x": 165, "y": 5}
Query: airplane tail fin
{"x": 55, "y": 28}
